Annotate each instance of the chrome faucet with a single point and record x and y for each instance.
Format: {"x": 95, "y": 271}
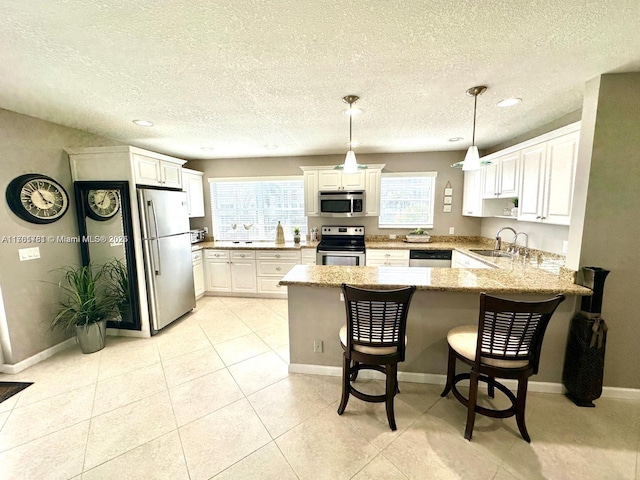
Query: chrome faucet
{"x": 526, "y": 243}
{"x": 498, "y": 244}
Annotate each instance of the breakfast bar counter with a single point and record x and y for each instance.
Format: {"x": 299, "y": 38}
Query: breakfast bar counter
{"x": 445, "y": 298}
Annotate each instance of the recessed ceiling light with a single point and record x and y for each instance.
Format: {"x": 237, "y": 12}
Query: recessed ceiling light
{"x": 353, "y": 111}
{"x": 455, "y": 139}
{"x": 143, "y": 123}
{"x": 509, "y": 102}
{"x": 207, "y": 149}
{"x": 271, "y": 147}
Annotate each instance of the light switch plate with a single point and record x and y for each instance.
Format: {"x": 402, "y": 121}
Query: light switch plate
{"x": 451, "y": 230}
{"x": 28, "y": 253}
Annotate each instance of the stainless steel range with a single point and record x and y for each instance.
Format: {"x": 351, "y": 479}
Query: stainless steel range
{"x": 341, "y": 246}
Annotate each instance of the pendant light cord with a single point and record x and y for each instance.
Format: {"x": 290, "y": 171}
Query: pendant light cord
{"x": 475, "y": 104}
{"x": 350, "y": 120}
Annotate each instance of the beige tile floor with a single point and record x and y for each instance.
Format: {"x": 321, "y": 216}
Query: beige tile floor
{"x": 210, "y": 397}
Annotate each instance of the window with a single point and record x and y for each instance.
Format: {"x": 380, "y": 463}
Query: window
{"x": 255, "y": 205}
{"x": 406, "y": 200}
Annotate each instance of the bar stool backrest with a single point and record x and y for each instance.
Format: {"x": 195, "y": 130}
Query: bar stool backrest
{"x": 377, "y": 318}
{"x": 513, "y": 330}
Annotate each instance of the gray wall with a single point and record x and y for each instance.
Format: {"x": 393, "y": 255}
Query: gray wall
{"x": 395, "y": 162}
{"x": 29, "y": 145}
{"x": 610, "y": 232}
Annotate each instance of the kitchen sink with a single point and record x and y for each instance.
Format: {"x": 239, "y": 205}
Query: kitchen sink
{"x": 491, "y": 253}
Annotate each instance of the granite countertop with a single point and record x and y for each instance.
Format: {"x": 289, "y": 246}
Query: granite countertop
{"x": 258, "y": 245}
{"x": 521, "y": 279}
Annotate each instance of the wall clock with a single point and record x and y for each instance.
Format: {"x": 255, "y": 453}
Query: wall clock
{"x": 102, "y": 204}
{"x": 37, "y": 198}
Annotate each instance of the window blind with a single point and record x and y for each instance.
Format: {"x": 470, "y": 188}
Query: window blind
{"x": 407, "y": 200}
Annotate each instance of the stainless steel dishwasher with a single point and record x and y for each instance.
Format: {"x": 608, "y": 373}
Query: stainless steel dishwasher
{"x": 430, "y": 258}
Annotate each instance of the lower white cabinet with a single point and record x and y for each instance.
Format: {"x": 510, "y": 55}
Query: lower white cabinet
{"x": 308, "y": 256}
{"x": 230, "y": 271}
{"x": 387, "y": 258}
{"x": 271, "y": 266}
{"x": 249, "y": 271}
{"x": 198, "y": 272}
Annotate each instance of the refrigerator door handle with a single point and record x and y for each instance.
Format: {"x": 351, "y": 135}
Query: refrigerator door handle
{"x": 155, "y": 223}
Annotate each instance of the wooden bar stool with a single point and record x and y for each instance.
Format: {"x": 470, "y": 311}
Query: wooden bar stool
{"x": 374, "y": 338}
{"x": 506, "y": 343}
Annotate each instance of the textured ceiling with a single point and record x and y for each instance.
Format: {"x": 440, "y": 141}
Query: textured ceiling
{"x": 239, "y": 75}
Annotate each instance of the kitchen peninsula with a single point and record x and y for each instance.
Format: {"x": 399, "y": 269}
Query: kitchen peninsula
{"x": 445, "y": 298}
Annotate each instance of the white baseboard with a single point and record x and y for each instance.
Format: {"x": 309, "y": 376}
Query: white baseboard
{"x": 438, "y": 379}
{"x": 37, "y": 358}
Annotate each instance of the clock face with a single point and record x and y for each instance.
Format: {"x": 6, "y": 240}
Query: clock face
{"x": 37, "y": 198}
{"x": 103, "y": 204}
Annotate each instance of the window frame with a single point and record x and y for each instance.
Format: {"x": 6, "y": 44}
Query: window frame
{"x": 265, "y": 235}
{"x": 430, "y": 174}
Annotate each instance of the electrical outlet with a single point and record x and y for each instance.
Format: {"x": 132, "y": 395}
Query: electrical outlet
{"x": 28, "y": 253}
{"x": 206, "y": 230}
{"x": 451, "y": 230}
{"x": 341, "y": 297}
{"x": 565, "y": 246}
{"x": 317, "y": 346}
{"x": 392, "y": 237}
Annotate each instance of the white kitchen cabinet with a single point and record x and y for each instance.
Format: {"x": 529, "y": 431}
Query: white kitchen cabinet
{"x": 548, "y": 174}
{"x": 327, "y": 179}
{"x": 230, "y": 271}
{"x": 472, "y": 201}
{"x": 157, "y": 172}
{"x": 372, "y": 191}
{"x": 192, "y": 184}
{"x": 460, "y": 260}
{"x": 308, "y": 256}
{"x": 387, "y": 258}
{"x": 198, "y": 272}
{"x": 311, "y": 204}
{"x": 271, "y": 266}
{"x": 501, "y": 178}
{"x": 337, "y": 180}
{"x": 243, "y": 271}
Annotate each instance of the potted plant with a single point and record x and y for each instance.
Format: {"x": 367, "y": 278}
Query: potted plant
{"x": 117, "y": 286}
{"x": 85, "y": 307}
{"x": 296, "y": 235}
{"x": 514, "y": 210}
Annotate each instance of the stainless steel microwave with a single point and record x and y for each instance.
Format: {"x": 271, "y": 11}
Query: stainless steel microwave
{"x": 342, "y": 204}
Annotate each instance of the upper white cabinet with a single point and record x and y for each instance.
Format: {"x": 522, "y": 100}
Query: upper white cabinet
{"x": 157, "y": 172}
{"x": 311, "y": 207}
{"x": 326, "y": 179}
{"x": 192, "y": 183}
{"x": 337, "y": 180}
{"x": 135, "y": 165}
{"x": 372, "y": 191}
{"x": 547, "y": 183}
{"x": 472, "y": 202}
{"x": 501, "y": 177}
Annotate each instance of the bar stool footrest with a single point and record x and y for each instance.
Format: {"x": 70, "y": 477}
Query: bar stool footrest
{"x": 489, "y": 412}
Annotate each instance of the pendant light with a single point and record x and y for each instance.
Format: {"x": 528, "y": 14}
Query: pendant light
{"x": 350, "y": 164}
{"x": 472, "y": 158}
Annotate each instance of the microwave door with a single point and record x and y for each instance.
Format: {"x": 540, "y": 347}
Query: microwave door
{"x": 334, "y": 205}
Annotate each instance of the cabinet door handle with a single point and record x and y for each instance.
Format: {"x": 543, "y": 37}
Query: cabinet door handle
{"x": 278, "y": 269}
{"x": 387, "y": 255}
{"x": 277, "y": 255}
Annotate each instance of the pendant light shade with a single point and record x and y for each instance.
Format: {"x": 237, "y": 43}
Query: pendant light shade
{"x": 350, "y": 164}
{"x": 472, "y": 158}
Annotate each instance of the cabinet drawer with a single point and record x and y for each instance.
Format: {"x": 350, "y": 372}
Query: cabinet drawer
{"x": 217, "y": 254}
{"x": 243, "y": 255}
{"x": 196, "y": 256}
{"x": 387, "y": 254}
{"x": 271, "y": 285}
{"x": 278, "y": 255}
{"x": 271, "y": 268}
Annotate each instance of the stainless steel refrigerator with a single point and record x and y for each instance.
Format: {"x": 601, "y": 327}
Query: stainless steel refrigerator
{"x": 166, "y": 242}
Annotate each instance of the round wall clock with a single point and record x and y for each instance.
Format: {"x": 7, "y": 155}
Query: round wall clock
{"x": 37, "y": 198}
{"x": 102, "y": 204}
